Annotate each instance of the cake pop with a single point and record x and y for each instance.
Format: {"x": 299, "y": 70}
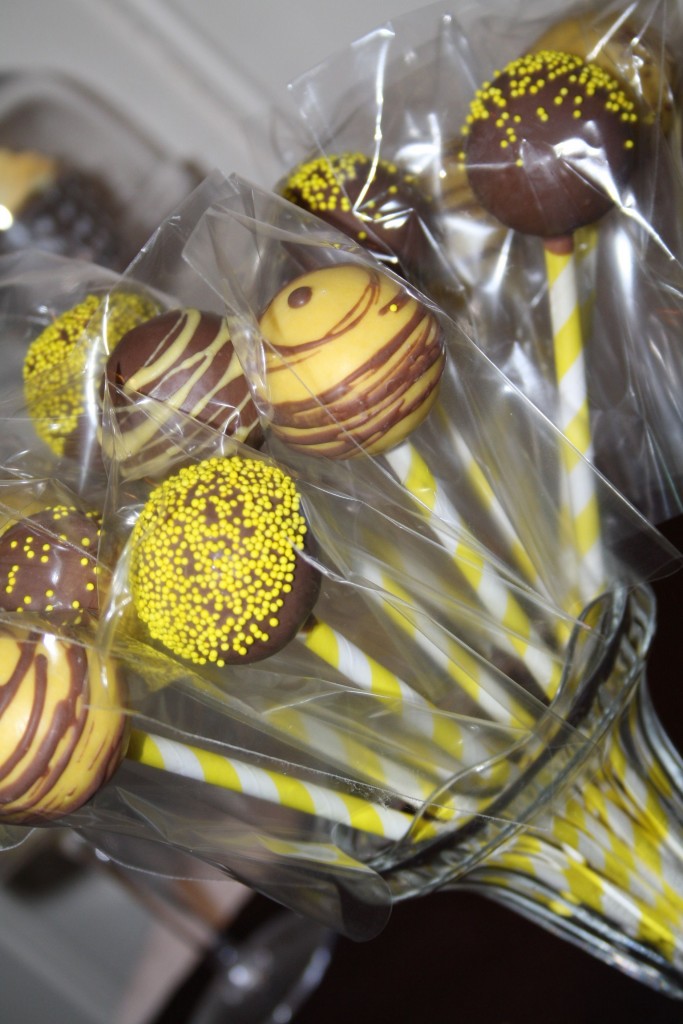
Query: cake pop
{"x": 185, "y": 360}
{"x": 56, "y": 362}
{"x": 353, "y": 361}
{"x": 48, "y": 565}
{"x": 62, "y": 209}
{"x": 636, "y": 56}
{"x": 549, "y": 143}
{"x": 62, "y": 727}
{"x": 217, "y": 570}
{"x": 372, "y": 201}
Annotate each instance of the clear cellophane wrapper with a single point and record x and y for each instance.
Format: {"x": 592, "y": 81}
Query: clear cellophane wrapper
{"x": 411, "y": 84}
{"x": 455, "y": 624}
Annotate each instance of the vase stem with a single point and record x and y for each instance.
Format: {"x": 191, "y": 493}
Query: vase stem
{"x": 606, "y": 869}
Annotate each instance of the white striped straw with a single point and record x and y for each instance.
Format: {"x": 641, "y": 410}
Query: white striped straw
{"x": 573, "y": 419}
{"x": 490, "y": 502}
{"x": 274, "y": 787}
{"x": 467, "y": 671}
{"x": 518, "y": 634}
{"x": 429, "y": 728}
{"x": 413, "y": 784}
{"x": 567, "y": 873}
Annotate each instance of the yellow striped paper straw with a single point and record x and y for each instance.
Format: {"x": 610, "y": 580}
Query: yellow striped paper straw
{"x": 411, "y": 779}
{"x": 460, "y": 664}
{"x": 581, "y": 513}
{"x": 566, "y": 872}
{"x": 518, "y": 633}
{"x": 369, "y": 675}
{"x": 429, "y": 728}
{"x": 489, "y": 501}
{"x": 586, "y": 255}
{"x": 632, "y": 854}
{"x": 238, "y": 776}
{"x": 362, "y": 670}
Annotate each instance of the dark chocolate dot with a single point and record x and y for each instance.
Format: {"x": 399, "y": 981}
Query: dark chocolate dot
{"x": 299, "y": 297}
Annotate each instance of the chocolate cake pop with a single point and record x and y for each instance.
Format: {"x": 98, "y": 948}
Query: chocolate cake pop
{"x": 371, "y": 201}
{"x": 56, "y": 361}
{"x": 184, "y": 359}
{"x": 217, "y": 574}
{"x": 635, "y": 55}
{"x": 49, "y": 205}
{"x": 48, "y": 565}
{"x": 353, "y": 361}
{"x": 550, "y": 141}
{"x": 62, "y": 728}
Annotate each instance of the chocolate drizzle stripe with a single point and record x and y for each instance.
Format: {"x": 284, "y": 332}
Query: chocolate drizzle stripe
{"x": 346, "y": 399}
{"x": 103, "y": 759}
{"x": 8, "y": 690}
{"x": 348, "y": 322}
{"x": 23, "y": 746}
{"x": 64, "y": 725}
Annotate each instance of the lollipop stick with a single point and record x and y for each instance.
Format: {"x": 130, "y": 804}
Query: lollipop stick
{"x": 413, "y": 472}
{"x": 516, "y": 630}
{"x": 428, "y": 728}
{"x": 360, "y": 750}
{"x": 495, "y": 697}
{"x": 582, "y": 514}
{"x": 266, "y": 784}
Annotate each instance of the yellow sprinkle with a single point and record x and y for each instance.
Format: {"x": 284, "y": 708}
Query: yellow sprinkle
{"x": 210, "y": 551}
{"x": 56, "y": 360}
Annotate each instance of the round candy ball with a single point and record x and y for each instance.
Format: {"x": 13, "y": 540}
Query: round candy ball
{"x": 549, "y": 142}
{"x": 633, "y": 54}
{"x": 374, "y": 202}
{"x": 61, "y": 209}
{"x": 56, "y": 364}
{"x": 353, "y": 361}
{"x": 48, "y": 565}
{"x": 216, "y": 573}
{"x": 185, "y": 360}
{"x": 62, "y": 728}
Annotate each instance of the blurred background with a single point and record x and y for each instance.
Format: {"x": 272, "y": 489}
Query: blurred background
{"x": 151, "y": 95}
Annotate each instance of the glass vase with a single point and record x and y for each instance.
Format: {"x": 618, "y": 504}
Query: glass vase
{"x": 606, "y": 872}
{"x": 589, "y": 843}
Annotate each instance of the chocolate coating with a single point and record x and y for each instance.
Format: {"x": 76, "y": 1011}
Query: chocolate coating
{"x": 48, "y": 565}
{"x": 353, "y": 362}
{"x": 634, "y": 55}
{"x": 549, "y": 143}
{"x": 54, "y": 371}
{"x": 375, "y": 203}
{"x": 62, "y": 730}
{"x": 185, "y": 360}
{"x": 216, "y": 571}
{"x": 60, "y": 209}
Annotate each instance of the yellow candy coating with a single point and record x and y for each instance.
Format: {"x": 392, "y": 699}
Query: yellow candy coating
{"x": 62, "y": 727}
{"x": 353, "y": 361}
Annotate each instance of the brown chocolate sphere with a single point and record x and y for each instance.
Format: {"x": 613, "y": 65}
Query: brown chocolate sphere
{"x": 635, "y": 55}
{"x": 184, "y": 359}
{"x": 60, "y": 209}
{"x": 62, "y": 729}
{"x": 549, "y": 142}
{"x": 374, "y": 202}
{"x": 48, "y": 565}
{"x": 217, "y": 573}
